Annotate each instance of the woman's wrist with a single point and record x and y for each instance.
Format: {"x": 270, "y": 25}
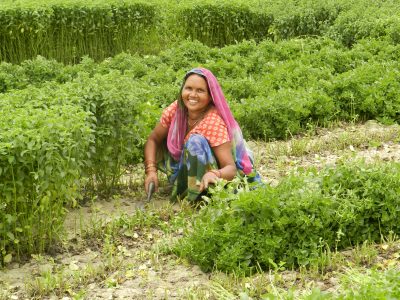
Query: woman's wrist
{"x": 150, "y": 166}
{"x": 150, "y": 171}
{"x": 216, "y": 172}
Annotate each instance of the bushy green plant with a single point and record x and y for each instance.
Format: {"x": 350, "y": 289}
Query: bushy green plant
{"x": 361, "y": 22}
{"x": 295, "y": 221}
{"x": 68, "y": 30}
{"x": 42, "y": 154}
{"x": 307, "y": 19}
{"x": 123, "y": 118}
{"x": 220, "y": 24}
{"x": 123, "y": 114}
{"x": 369, "y": 91}
{"x": 282, "y": 113}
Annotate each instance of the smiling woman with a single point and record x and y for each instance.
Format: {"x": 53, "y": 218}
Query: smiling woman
{"x": 197, "y": 141}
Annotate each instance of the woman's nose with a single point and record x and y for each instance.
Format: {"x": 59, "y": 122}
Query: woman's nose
{"x": 193, "y": 93}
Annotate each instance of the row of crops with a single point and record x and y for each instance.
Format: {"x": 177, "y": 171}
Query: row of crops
{"x": 69, "y": 29}
{"x": 68, "y": 131}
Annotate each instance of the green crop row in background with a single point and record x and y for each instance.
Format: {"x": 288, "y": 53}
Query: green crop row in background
{"x": 286, "y": 84}
{"x": 67, "y": 30}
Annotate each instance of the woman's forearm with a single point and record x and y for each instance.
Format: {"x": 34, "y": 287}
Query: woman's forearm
{"x": 154, "y": 142}
{"x": 150, "y": 150}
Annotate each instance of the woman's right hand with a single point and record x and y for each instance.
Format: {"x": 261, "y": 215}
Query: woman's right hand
{"x": 151, "y": 176}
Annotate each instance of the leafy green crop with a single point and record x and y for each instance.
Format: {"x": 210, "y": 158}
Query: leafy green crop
{"x": 296, "y": 221}
{"x": 69, "y": 29}
{"x": 282, "y": 86}
{"x": 42, "y": 154}
{"x": 121, "y": 119}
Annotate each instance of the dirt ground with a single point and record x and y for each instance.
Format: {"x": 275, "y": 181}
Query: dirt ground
{"x": 138, "y": 269}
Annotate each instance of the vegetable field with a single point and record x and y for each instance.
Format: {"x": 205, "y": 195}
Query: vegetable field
{"x": 82, "y": 84}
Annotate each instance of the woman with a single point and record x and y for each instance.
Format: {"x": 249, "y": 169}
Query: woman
{"x": 197, "y": 140}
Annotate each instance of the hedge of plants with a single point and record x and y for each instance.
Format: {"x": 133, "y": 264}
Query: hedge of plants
{"x": 69, "y": 29}
{"x": 287, "y": 85}
{"x": 43, "y": 151}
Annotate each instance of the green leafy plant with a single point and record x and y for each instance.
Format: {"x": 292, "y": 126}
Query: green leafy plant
{"x": 295, "y": 221}
{"x": 43, "y": 152}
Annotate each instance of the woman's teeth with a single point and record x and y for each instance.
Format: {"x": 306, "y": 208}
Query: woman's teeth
{"x": 193, "y": 101}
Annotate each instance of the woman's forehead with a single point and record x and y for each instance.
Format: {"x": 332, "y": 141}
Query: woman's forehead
{"x": 196, "y": 79}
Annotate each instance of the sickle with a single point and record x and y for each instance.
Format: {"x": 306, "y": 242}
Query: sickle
{"x": 150, "y": 188}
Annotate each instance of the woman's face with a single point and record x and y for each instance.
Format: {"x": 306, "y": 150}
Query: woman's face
{"x": 195, "y": 94}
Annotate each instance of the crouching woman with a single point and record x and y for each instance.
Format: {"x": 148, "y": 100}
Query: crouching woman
{"x": 197, "y": 140}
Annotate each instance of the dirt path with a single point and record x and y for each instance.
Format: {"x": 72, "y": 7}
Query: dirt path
{"x": 134, "y": 266}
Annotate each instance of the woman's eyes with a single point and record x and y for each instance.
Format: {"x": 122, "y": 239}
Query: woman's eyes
{"x": 189, "y": 89}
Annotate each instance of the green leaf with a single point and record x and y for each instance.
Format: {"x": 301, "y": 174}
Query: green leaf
{"x": 7, "y": 258}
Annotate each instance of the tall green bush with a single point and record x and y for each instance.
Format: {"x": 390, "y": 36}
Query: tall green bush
{"x": 223, "y": 24}
{"x": 68, "y": 30}
{"x": 42, "y": 153}
{"x": 122, "y": 116}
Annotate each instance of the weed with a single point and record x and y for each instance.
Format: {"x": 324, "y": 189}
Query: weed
{"x": 365, "y": 254}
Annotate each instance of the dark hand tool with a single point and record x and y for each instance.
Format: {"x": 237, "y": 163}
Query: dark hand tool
{"x": 150, "y": 190}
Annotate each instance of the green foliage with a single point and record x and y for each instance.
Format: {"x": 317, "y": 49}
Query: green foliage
{"x": 287, "y": 85}
{"x": 307, "y": 19}
{"x": 122, "y": 117}
{"x": 42, "y": 153}
{"x": 284, "y": 112}
{"x": 68, "y": 30}
{"x": 221, "y": 24}
{"x": 369, "y": 91}
{"x": 93, "y": 118}
{"x": 365, "y": 19}
{"x": 295, "y": 221}
{"x": 376, "y": 285}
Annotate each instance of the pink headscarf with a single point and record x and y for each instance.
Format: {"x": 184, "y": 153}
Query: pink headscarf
{"x": 177, "y": 130}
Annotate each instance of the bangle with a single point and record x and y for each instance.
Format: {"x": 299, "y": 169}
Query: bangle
{"x": 150, "y": 166}
{"x": 216, "y": 172}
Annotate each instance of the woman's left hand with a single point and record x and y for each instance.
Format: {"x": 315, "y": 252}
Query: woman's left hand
{"x": 208, "y": 178}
